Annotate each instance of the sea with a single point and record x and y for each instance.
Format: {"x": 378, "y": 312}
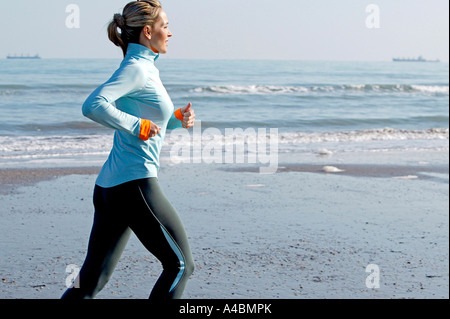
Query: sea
{"x": 313, "y": 106}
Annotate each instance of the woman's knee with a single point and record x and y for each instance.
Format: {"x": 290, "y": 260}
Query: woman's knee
{"x": 189, "y": 268}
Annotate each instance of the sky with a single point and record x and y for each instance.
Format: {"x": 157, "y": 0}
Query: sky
{"x": 332, "y": 30}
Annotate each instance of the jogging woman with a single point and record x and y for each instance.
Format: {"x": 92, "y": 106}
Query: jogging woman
{"x": 127, "y": 196}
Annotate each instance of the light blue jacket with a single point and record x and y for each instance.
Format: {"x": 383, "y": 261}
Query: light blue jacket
{"x": 138, "y": 93}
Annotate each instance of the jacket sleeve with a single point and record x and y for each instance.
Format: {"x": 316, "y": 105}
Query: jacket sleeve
{"x": 99, "y": 108}
{"x": 176, "y": 121}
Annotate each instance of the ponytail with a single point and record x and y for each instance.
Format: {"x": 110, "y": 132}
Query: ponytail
{"x": 113, "y": 32}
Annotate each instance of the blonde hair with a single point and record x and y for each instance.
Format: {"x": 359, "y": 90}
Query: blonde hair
{"x": 136, "y": 15}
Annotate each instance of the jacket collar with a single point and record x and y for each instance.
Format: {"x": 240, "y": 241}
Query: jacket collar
{"x": 138, "y": 50}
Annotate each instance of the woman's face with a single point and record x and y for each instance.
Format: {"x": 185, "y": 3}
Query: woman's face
{"x": 160, "y": 34}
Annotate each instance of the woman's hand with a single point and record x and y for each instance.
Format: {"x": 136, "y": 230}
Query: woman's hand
{"x": 188, "y": 116}
{"x": 154, "y": 130}
{"x": 148, "y": 130}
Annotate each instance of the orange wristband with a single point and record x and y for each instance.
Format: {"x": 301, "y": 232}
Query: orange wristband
{"x": 178, "y": 115}
{"x": 146, "y": 125}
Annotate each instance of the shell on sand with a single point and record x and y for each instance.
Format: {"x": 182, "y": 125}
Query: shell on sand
{"x": 407, "y": 177}
{"x": 332, "y": 169}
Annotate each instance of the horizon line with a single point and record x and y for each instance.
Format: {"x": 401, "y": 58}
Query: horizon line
{"x": 239, "y": 59}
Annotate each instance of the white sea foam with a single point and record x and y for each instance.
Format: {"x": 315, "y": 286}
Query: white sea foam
{"x": 41, "y": 148}
{"x": 407, "y": 177}
{"x": 385, "y": 134}
{"x": 349, "y": 88}
{"x": 32, "y": 148}
{"x": 431, "y": 89}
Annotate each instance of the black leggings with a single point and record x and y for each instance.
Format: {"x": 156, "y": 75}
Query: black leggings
{"x": 139, "y": 206}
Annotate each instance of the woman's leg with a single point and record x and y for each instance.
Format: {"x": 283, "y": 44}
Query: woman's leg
{"x": 142, "y": 207}
{"x": 157, "y": 225}
{"x": 108, "y": 238}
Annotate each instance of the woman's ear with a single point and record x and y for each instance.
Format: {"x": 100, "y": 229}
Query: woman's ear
{"x": 148, "y": 32}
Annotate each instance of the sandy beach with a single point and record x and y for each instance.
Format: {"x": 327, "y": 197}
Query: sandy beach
{"x": 303, "y": 233}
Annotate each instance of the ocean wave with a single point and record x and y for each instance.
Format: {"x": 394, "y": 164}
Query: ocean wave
{"x": 302, "y": 90}
{"x": 384, "y": 134}
{"x": 340, "y": 123}
{"x": 292, "y": 138}
{"x": 17, "y": 147}
{"x": 254, "y": 89}
{"x": 349, "y": 88}
{"x": 24, "y": 144}
{"x": 431, "y": 89}
{"x": 45, "y": 148}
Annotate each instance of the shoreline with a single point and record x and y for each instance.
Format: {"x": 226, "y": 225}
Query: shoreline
{"x": 424, "y": 172}
{"x": 12, "y": 178}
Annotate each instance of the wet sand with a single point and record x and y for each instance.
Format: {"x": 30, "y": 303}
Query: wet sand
{"x": 362, "y": 170}
{"x": 11, "y": 179}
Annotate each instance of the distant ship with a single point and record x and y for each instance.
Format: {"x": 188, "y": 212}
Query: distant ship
{"x": 21, "y": 57}
{"x": 419, "y": 59}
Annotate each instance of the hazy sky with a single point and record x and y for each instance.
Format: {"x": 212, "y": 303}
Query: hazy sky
{"x": 239, "y": 29}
